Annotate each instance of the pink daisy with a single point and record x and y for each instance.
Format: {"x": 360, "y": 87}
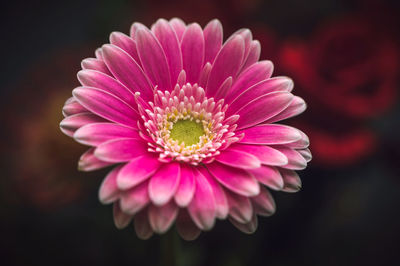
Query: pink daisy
{"x": 189, "y": 123}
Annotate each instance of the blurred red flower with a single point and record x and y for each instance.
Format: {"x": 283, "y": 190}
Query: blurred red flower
{"x": 347, "y": 73}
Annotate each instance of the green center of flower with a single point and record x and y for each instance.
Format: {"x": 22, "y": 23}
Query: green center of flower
{"x": 187, "y": 131}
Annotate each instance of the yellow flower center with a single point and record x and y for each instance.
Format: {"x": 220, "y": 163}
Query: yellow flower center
{"x": 187, "y": 132}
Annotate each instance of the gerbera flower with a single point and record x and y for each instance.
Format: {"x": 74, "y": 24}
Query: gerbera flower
{"x": 189, "y": 122}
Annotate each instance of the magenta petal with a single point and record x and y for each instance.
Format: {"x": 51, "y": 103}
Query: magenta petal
{"x": 221, "y": 202}
{"x": 164, "y": 183}
{"x": 89, "y": 162}
{"x": 153, "y": 58}
{"x": 72, "y": 107}
{"x": 226, "y": 64}
{"x": 162, "y": 217}
{"x": 291, "y": 179}
{"x": 270, "y": 134}
{"x": 213, "y": 39}
{"x": 296, "y": 161}
{"x": 202, "y": 208}
{"x": 192, "y": 46}
{"x": 240, "y": 207}
{"x": 125, "y": 43}
{"x": 302, "y": 143}
{"x": 248, "y": 228}
{"x": 142, "y": 225}
{"x": 72, "y": 123}
{"x": 306, "y": 153}
{"x": 137, "y": 170}
{"x": 264, "y": 203}
{"x": 237, "y": 180}
{"x": 186, "y": 188}
{"x": 259, "y": 89}
{"x": 179, "y": 27}
{"x": 95, "y": 64}
{"x": 96, "y": 79}
{"x": 224, "y": 89}
{"x": 135, "y": 199}
{"x": 296, "y": 107}
{"x": 106, "y": 105}
{"x": 269, "y": 176}
{"x": 185, "y": 226}
{"x": 120, "y": 150}
{"x": 254, "y": 54}
{"x": 127, "y": 71}
{"x": 205, "y": 73}
{"x": 108, "y": 191}
{"x": 169, "y": 42}
{"x": 238, "y": 159}
{"x": 121, "y": 219}
{"x": 96, "y": 133}
{"x": 263, "y": 108}
{"x": 257, "y": 72}
{"x": 265, "y": 154}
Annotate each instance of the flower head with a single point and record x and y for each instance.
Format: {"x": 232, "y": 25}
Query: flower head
{"x": 189, "y": 123}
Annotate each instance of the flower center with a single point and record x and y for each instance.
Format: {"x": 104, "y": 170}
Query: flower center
{"x": 187, "y": 132}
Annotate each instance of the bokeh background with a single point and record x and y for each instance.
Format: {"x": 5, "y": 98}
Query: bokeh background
{"x": 344, "y": 59}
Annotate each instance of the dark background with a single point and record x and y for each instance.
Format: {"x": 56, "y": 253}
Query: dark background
{"x": 344, "y": 59}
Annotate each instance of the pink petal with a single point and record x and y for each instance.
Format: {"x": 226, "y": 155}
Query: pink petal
{"x": 186, "y": 188}
{"x": 170, "y": 44}
{"x": 179, "y": 27}
{"x": 121, "y": 219}
{"x": 224, "y": 89}
{"x": 254, "y": 54}
{"x": 185, "y": 226}
{"x": 126, "y": 43}
{"x": 238, "y": 159}
{"x": 153, "y": 58}
{"x": 127, "y": 71}
{"x": 296, "y": 107}
{"x": 89, "y": 162}
{"x": 106, "y": 105}
{"x": 257, "y": 72}
{"x": 135, "y": 199}
{"x": 202, "y": 208}
{"x": 137, "y": 170}
{"x": 95, "y": 64}
{"x": 270, "y": 134}
{"x": 265, "y": 154}
{"x": 302, "y": 143}
{"x": 213, "y": 39}
{"x": 109, "y": 191}
{"x": 226, "y": 64}
{"x": 291, "y": 179}
{"x": 142, "y": 225}
{"x": 96, "y": 133}
{"x": 72, "y": 123}
{"x": 221, "y": 202}
{"x": 120, "y": 150}
{"x": 269, "y": 176}
{"x": 240, "y": 207}
{"x": 162, "y": 217}
{"x": 164, "y": 183}
{"x": 237, "y": 180}
{"x": 205, "y": 73}
{"x": 96, "y": 79}
{"x": 263, "y": 108}
{"x": 263, "y": 203}
{"x": 296, "y": 161}
{"x": 306, "y": 153}
{"x": 259, "y": 89}
{"x": 248, "y": 228}
{"x": 72, "y": 107}
{"x": 192, "y": 46}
